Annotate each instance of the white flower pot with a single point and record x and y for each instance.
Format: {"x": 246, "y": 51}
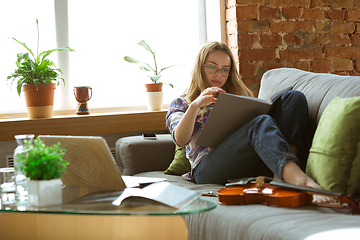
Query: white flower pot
{"x": 155, "y": 101}
{"x": 43, "y": 193}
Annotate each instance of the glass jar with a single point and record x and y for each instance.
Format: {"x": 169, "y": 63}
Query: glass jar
{"x": 20, "y": 178}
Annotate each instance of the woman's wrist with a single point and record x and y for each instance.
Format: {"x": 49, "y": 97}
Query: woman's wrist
{"x": 194, "y": 107}
{"x": 183, "y": 131}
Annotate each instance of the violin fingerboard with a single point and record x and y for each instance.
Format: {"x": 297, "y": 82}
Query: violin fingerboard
{"x": 244, "y": 181}
{"x": 308, "y": 189}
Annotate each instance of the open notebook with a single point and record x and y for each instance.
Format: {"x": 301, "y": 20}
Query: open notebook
{"x": 231, "y": 112}
{"x": 91, "y": 164}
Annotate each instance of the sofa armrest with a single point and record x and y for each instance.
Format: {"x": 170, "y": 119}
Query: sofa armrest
{"x": 136, "y": 154}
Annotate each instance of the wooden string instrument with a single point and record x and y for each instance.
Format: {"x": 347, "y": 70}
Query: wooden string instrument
{"x": 279, "y": 194}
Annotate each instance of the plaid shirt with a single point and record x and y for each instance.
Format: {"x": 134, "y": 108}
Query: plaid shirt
{"x": 193, "y": 152}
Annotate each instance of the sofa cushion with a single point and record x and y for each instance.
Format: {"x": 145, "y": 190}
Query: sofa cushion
{"x": 318, "y": 88}
{"x": 258, "y": 221}
{"x": 180, "y": 164}
{"x": 136, "y": 154}
{"x": 334, "y": 159}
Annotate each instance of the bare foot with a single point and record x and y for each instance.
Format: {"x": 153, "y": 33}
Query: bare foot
{"x": 293, "y": 174}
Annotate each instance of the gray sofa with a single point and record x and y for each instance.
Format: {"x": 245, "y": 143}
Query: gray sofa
{"x": 137, "y": 156}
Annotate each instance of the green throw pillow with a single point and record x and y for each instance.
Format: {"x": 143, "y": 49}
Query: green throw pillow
{"x": 334, "y": 158}
{"x": 180, "y": 163}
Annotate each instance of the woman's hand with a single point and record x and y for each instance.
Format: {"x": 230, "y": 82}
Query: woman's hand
{"x": 183, "y": 131}
{"x": 207, "y": 97}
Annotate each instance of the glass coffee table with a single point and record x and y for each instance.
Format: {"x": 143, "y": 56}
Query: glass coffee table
{"x": 97, "y": 218}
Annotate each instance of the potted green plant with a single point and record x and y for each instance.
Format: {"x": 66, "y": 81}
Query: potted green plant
{"x": 37, "y": 77}
{"x": 43, "y": 166}
{"x": 153, "y": 89}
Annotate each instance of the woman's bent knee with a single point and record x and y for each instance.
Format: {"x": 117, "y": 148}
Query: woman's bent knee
{"x": 264, "y": 118}
{"x": 294, "y": 95}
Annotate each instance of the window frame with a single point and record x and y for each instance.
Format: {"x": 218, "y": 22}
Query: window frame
{"x": 62, "y": 39}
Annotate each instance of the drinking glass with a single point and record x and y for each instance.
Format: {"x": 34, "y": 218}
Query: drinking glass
{"x": 7, "y": 185}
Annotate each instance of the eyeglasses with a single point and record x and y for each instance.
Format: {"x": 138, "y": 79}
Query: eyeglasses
{"x": 212, "y": 69}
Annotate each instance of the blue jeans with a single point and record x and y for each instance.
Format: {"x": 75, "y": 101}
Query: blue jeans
{"x": 259, "y": 148}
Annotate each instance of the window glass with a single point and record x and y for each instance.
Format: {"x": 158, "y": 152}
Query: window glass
{"x": 18, "y": 20}
{"x": 103, "y": 32}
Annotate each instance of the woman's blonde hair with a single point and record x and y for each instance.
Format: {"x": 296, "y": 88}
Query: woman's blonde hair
{"x": 233, "y": 85}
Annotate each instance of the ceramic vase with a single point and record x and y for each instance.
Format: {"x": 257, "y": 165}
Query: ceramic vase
{"x": 42, "y": 193}
{"x": 154, "y": 96}
{"x": 154, "y": 101}
{"x": 82, "y": 95}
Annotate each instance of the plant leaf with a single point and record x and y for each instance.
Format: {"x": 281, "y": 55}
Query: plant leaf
{"x": 145, "y": 45}
{"x": 172, "y": 86}
{"x": 23, "y": 56}
{"x": 35, "y": 71}
{"x": 145, "y": 68}
{"x": 155, "y": 78}
{"x": 24, "y": 46}
{"x": 18, "y": 88}
{"x": 42, "y": 65}
{"x": 167, "y": 67}
{"x": 51, "y": 63}
{"x": 132, "y": 60}
{"x": 41, "y": 162}
{"x": 48, "y": 52}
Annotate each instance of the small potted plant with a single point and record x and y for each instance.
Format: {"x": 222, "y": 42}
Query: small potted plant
{"x": 37, "y": 77}
{"x": 43, "y": 166}
{"x": 153, "y": 89}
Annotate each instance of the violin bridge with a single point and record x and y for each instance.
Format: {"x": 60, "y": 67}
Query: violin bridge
{"x": 260, "y": 182}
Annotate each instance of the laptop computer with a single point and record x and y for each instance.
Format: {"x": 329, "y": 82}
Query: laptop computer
{"x": 92, "y": 165}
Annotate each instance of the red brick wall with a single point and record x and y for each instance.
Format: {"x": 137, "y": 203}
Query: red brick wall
{"x": 312, "y": 35}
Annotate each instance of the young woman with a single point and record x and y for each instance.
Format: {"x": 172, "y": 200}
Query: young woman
{"x": 266, "y": 146}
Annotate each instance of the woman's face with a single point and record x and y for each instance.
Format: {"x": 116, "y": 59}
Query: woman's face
{"x": 217, "y": 69}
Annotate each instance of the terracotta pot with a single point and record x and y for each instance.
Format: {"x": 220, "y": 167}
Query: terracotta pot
{"x": 154, "y": 87}
{"x": 39, "y": 101}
